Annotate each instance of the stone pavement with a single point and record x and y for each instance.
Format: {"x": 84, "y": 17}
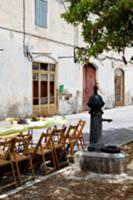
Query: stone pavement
{"x": 67, "y": 182}
{"x": 118, "y": 132}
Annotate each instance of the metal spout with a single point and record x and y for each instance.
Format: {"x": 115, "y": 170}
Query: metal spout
{"x": 107, "y": 120}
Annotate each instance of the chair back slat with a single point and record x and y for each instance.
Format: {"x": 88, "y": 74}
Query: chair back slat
{"x": 79, "y": 134}
{"x": 21, "y": 143}
{"x": 81, "y": 125}
{"x": 44, "y": 150}
{"x": 21, "y": 154}
{"x": 5, "y": 149}
{"x": 59, "y": 135}
{"x": 71, "y": 132}
{"x": 7, "y": 172}
{"x": 44, "y": 142}
{"x": 58, "y": 141}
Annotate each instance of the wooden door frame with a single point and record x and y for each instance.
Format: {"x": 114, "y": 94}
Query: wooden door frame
{"x": 50, "y": 109}
{"x": 95, "y": 68}
{"x": 123, "y": 88}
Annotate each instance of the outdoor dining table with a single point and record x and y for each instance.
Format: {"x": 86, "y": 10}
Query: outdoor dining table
{"x": 8, "y": 129}
{"x": 11, "y": 130}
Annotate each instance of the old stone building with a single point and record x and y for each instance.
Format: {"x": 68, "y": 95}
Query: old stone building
{"x": 38, "y": 73}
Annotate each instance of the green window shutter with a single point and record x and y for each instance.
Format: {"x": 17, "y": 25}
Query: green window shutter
{"x": 41, "y": 13}
{"x": 44, "y": 13}
{"x": 37, "y": 12}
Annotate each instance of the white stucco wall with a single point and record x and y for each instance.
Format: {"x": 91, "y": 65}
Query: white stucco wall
{"x": 16, "y": 73}
{"x": 15, "y": 78}
{"x": 106, "y": 76}
{"x": 58, "y": 40}
{"x": 16, "y": 70}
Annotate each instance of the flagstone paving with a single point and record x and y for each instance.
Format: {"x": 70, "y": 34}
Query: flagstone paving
{"x": 73, "y": 184}
{"x": 117, "y": 132}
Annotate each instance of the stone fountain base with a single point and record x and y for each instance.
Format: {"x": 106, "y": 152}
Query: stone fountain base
{"x": 100, "y": 162}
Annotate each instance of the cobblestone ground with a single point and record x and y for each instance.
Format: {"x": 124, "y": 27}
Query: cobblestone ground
{"x": 60, "y": 187}
{"x": 118, "y": 132}
{"x": 67, "y": 186}
{"x": 72, "y": 184}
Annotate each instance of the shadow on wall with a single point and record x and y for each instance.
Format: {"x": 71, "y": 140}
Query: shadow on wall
{"x": 69, "y": 104}
{"x": 128, "y": 98}
{"x": 18, "y": 109}
{"x": 109, "y": 102}
{"x": 13, "y": 110}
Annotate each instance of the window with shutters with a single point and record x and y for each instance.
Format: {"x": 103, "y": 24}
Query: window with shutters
{"x": 41, "y": 7}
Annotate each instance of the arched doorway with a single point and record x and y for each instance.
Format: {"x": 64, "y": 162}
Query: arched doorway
{"x": 89, "y": 80}
{"x": 119, "y": 87}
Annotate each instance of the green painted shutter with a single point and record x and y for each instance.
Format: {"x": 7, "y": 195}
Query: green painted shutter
{"x": 37, "y": 12}
{"x": 41, "y": 13}
{"x": 44, "y": 13}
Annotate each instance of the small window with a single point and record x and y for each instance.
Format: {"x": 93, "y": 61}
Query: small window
{"x": 35, "y": 77}
{"x": 41, "y": 7}
{"x": 35, "y": 66}
{"x": 52, "y": 67}
{"x": 44, "y": 66}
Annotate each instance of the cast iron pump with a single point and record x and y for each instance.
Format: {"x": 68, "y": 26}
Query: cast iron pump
{"x": 95, "y": 104}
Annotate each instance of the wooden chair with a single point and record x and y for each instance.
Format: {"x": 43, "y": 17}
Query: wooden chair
{"x": 7, "y": 173}
{"x": 22, "y": 158}
{"x": 43, "y": 153}
{"x": 70, "y": 138}
{"x": 79, "y": 134}
{"x": 23, "y": 135}
{"x": 58, "y": 139}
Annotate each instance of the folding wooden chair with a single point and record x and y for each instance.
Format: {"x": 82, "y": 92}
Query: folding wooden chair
{"x": 7, "y": 173}
{"x": 23, "y": 135}
{"x": 70, "y": 138}
{"x": 79, "y": 134}
{"x": 43, "y": 154}
{"x": 58, "y": 139}
{"x": 22, "y": 158}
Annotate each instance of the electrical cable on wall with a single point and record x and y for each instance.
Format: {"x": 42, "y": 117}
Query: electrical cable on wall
{"x": 117, "y": 59}
{"x": 24, "y": 28}
{"x": 63, "y": 4}
{"x": 26, "y": 51}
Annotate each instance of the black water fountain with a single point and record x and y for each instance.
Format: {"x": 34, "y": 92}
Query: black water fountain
{"x": 100, "y": 158}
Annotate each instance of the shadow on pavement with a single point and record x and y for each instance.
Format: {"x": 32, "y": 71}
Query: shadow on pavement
{"x": 115, "y": 136}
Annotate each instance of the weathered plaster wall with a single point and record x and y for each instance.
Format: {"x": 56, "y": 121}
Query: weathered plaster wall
{"x": 106, "y": 77}
{"x": 16, "y": 70}
{"x": 11, "y": 14}
{"x": 16, "y": 73}
{"x": 69, "y": 73}
{"x": 58, "y": 40}
{"x": 12, "y": 17}
{"x": 15, "y": 78}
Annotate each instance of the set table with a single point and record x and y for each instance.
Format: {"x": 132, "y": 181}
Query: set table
{"x": 8, "y": 129}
